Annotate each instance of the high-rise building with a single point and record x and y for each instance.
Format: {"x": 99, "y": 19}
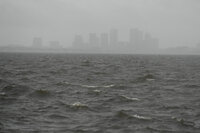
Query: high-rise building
{"x": 132, "y": 36}
{"x": 150, "y": 43}
{"x": 54, "y": 44}
{"x": 104, "y": 40}
{"x": 136, "y": 38}
{"x": 147, "y": 37}
{"x": 78, "y": 41}
{"x": 37, "y": 42}
{"x": 93, "y": 40}
{"x": 155, "y": 43}
{"x": 113, "y": 37}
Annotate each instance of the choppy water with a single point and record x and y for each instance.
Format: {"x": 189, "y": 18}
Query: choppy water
{"x": 60, "y": 93}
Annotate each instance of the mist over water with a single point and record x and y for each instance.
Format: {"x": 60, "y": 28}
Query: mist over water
{"x": 171, "y": 25}
{"x": 99, "y": 66}
{"x": 99, "y": 93}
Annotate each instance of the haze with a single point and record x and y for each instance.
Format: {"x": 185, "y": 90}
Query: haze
{"x": 173, "y": 22}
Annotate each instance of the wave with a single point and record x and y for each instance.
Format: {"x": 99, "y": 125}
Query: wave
{"x": 86, "y": 63}
{"x": 79, "y": 105}
{"x": 141, "y": 117}
{"x": 97, "y": 91}
{"x": 195, "y": 86}
{"x": 184, "y": 122}
{"x": 25, "y": 72}
{"x": 65, "y": 83}
{"x": 14, "y": 90}
{"x": 93, "y": 86}
{"x": 1, "y": 126}
{"x": 123, "y": 114}
{"x": 150, "y": 79}
{"x": 89, "y": 86}
{"x": 121, "y": 99}
{"x": 40, "y": 93}
{"x": 2, "y": 93}
{"x": 174, "y": 107}
{"x": 130, "y": 98}
{"x": 3, "y": 83}
{"x": 159, "y": 130}
{"x": 11, "y": 93}
{"x": 57, "y": 116}
{"x": 74, "y": 106}
{"x": 86, "y": 86}
{"x": 147, "y": 77}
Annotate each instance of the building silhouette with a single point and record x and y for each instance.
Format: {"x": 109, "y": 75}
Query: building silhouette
{"x": 93, "y": 40}
{"x": 136, "y": 39}
{"x": 37, "y": 42}
{"x": 78, "y": 41}
{"x": 54, "y": 44}
{"x": 113, "y": 37}
{"x": 104, "y": 40}
{"x": 150, "y": 43}
{"x": 109, "y": 42}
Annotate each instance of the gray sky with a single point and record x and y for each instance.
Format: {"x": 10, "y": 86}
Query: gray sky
{"x": 174, "y": 22}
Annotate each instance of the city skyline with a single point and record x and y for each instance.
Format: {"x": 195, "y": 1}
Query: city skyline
{"x": 138, "y": 41}
{"x": 175, "y": 23}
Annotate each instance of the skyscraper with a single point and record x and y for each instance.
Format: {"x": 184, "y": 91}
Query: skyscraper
{"x": 113, "y": 37}
{"x": 93, "y": 40}
{"x": 54, "y": 44}
{"x": 136, "y": 38}
{"x": 104, "y": 40}
{"x": 155, "y": 43}
{"x": 150, "y": 43}
{"x": 78, "y": 41}
{"x": 37, "y": 42}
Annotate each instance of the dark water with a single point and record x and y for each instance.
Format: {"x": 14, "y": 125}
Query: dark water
{"x": 52, "y": 93}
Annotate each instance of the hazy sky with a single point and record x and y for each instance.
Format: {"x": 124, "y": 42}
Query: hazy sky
{"x": 174, "y": 22}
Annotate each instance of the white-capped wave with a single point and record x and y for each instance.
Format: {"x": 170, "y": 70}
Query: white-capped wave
{"x": 78, "y": 104}
{"x": 93, "y": 86}
{"x": 131, "y": 98}
{"x": 97, "y": 91}
{"x": 148, "y": 79}
{"x": 108, "y": 86}
{"x": 89, "y": 86}
{"x": 68, "y": 83}
{"x": 184, "y": 122}
{"x": 2, "y": 93}
{"x": 142, "y": 117}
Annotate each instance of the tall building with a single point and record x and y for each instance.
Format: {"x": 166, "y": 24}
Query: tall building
{"x": 147, "y": 37}
{"x": 93, "y": 40}
{"x": 113, "y": 37}
{"x": 155, "y": 43}
{"x": 150, "y": 43}
{"x": 37, "y": 42}
{"x": 78, "y": 42}
{"x": 54, "y": 44}
{"x": 104, "y": 40}
{"x": 132, "y": 36}
{"x": 136, "y": 38}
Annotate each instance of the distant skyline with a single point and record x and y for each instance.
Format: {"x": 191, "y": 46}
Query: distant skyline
{"x": 138, "y": 42}
{"x": 173, "y": 22}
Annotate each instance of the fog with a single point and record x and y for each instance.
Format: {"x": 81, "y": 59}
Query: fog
{"x": 175, "y": 23}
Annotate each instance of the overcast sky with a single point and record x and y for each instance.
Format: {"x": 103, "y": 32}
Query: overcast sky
{"x": 174, "y": 22}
